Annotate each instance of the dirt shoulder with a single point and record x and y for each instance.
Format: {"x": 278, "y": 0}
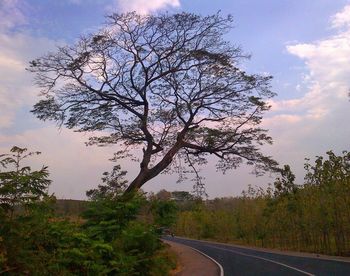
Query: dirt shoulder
{"x": 192, "y": 262}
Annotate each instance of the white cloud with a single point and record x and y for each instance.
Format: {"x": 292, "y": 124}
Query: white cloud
{"x": 146, "y": 6}
{"x": 342, "y": 18}
{"x": 328, "y": 66}
{"x": 317, "y": 121}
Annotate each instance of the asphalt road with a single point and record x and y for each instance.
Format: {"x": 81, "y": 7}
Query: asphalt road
{"x": 244, "y": 261}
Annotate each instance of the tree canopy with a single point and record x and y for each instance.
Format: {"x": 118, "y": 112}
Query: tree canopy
{"x": 169, "y": 84}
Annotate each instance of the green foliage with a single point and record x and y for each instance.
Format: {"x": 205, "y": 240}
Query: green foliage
{"x": 112, "y": 219}
{"x": 25, "y": 237}
{"x": 164, "y": 212}
{"x": 24, "y": 191}
{"x": 111, "y": 241}
{"x": 314, "y": 217}
{"x": 141, "y": 241}
{"x": 20, "y": 185}
{"x": 106, "y": 218}
{"x": 108, "y": 212}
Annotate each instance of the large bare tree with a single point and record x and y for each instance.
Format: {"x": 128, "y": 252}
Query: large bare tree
{"x": 169, "y": 84}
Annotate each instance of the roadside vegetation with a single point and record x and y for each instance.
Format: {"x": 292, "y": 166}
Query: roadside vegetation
{"x": 112, "y": 236}
{"x": 313, "y": 217}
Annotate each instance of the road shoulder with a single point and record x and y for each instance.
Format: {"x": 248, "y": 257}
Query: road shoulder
{"x": 192, "y": 262}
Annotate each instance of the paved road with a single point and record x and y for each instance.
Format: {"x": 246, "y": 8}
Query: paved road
{"x": 244, "y": 261}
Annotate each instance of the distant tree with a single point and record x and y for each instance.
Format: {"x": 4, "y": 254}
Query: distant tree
{"x": 163, "y": 195}
{"x": 285, "y": 183}
{"x": 182, "y": 196}
{"x": 20, "y": 185}
{"x": 167, "y": 83}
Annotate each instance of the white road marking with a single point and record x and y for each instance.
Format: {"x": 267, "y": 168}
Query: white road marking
{"x": 261, "y": 258}
{"x": 205, "y": 255}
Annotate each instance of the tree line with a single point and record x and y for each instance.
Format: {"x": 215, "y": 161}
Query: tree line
{"x": 313, "y": 217}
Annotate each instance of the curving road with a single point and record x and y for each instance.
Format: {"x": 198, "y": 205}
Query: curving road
{"x": 243, "y": 261}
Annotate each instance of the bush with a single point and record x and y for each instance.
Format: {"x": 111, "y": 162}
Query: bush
{"x": 111, "y": 241}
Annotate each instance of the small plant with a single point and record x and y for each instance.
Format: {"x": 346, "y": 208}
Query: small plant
{"x": 20, "y": 186}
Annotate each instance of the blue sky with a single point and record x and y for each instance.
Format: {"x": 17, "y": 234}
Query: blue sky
{"x": 305, "y": 45}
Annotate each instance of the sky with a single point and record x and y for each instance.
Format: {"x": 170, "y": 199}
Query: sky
{"x": 304, "y": 45}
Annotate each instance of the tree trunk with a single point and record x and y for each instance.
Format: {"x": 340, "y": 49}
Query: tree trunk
{"x": 146, "y": 174}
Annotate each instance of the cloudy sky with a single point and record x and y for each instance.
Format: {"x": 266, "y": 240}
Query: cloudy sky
{"x": 305, "y": 45}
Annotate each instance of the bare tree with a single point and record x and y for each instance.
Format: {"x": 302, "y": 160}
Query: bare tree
{"x": 169, "y": 84}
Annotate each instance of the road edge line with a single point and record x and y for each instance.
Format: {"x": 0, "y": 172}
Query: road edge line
{"x": 264, "y": 259}
{"x": 309, "y": 255}
{"x": 205, "y": 255}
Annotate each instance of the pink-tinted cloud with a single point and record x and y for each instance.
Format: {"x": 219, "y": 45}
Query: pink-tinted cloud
{"x": 146, "y": 6}
{"x": 74, "y": 167}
